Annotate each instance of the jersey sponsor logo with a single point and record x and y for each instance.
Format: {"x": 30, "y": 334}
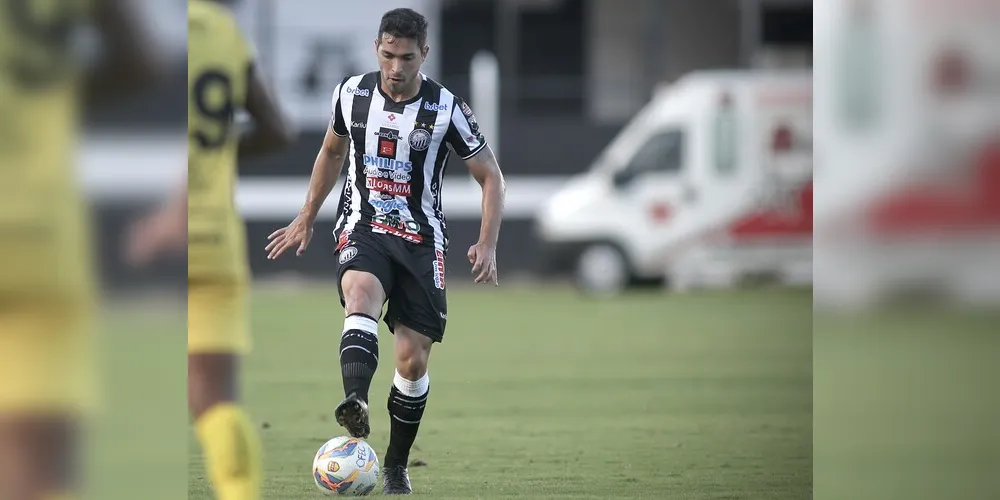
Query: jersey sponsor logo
{"x": 387, "y": 206}
{"x": 386, "y": 147}
{"x": 388, "y": 133}
{"x": 419, "y": 139}
{"x": 433, "y": 106}
{"x": 388, "y": 163}
{"x": 359, "y": 125}
{"x": 396, "y": 222}
{"x": 358, "y": 92}
{"x": 466, "y": 110}
{"x": 391, "y": 224}
{"x": 439, "y": 269}
{"x": 347, "y": 254}
{"x": 393, "y": 175}
{"x": 388, "y": 187}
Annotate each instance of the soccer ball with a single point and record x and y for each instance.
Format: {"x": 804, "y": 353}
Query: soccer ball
{"x": 346, "y": 466}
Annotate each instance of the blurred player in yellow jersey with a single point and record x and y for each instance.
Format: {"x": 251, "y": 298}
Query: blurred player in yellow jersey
{"x": 222, "y": 78}
{"x": 47, "y": 280}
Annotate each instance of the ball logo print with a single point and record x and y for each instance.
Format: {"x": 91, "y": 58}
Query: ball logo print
{"x": 347, "y": 254}
{"x": 346, "y": 466}
{"x": 419, "y": 139}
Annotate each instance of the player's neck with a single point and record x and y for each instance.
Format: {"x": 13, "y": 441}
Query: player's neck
{"x": 410, "y": 92}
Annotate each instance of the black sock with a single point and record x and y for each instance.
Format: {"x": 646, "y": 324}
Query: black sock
{"x": 359, "y": 354}
{"x": 405, "y": 413}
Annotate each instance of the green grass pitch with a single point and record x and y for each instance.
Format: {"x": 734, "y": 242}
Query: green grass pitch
{"x": 540, "y": 393}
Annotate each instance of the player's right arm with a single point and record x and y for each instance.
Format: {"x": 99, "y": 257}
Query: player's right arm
{"x": 326, "y": 169}
{"x": 130, "y": 63}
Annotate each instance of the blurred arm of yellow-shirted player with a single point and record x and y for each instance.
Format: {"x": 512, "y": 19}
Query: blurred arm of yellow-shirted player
{"x": 165, "y": 231}
{"x": 222, "y": 79}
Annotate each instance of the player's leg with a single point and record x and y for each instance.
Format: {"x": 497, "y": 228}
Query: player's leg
{"x": 217, "y": 338}
{"x": 45, "y": 367}
{"x": 365, "y": 274}
{"x": 417, "y": 316}
{"x": 38, "y": 453}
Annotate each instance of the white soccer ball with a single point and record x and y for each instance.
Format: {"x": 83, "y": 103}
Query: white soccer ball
{"x": 346, "y": 466}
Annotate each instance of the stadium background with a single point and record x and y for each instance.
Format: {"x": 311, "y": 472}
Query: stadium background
{"x": 573, "y": 73}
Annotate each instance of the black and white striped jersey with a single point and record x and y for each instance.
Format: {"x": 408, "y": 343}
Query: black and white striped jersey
{"x": 398, "y": 153}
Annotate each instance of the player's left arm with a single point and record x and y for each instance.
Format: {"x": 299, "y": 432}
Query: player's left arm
{"x": 486, "y": 170}
{"x": 468, "y": 142}
{"x": 163, "y": 231}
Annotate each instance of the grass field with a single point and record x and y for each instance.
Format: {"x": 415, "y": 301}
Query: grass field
{"x": 539, "y": 393}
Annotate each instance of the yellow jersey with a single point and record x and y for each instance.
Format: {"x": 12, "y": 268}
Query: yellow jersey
{"x": 44, "y": 225}
{"x": 219, "y": 60}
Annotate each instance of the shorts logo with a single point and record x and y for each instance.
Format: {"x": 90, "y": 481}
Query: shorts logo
{"x": 419, "y": 139}
{"x": 347, "y": 254}
{"x": 439, "y": 269}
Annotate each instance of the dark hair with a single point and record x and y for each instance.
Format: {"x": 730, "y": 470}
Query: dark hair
{"x": 404, "y": 23}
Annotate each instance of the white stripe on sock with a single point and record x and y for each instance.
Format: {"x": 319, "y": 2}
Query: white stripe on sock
{"x": 411, "y": 388}
{"x": 363, "y": 323}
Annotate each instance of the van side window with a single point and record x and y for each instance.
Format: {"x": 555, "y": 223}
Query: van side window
{"x": 662, "y": 153}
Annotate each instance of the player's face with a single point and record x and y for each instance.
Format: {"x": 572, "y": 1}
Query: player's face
{"x": 399, "y": 59}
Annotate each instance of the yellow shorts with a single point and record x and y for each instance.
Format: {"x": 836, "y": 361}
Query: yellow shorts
{"x": 47, "y": 358}
{"x": 218, "y": 320}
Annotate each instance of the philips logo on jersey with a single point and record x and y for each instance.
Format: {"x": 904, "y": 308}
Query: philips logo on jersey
{"x": 387, "y": 163}
{"x": 433, "y": 106}
{"x": 358, "y": 92}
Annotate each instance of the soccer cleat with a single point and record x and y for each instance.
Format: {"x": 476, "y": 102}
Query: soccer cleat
{"x": 396, "y": 481}
{"x": 352, "y": 413}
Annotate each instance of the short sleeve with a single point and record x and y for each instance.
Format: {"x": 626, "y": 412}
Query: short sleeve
{"x": 337, "y": 122}
{"x": 463, "y": 131}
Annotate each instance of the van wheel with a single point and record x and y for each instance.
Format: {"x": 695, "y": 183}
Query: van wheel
{"x": 602, "y": 270}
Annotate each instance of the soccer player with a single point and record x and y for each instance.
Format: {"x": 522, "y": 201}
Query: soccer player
{"x": 222, "y": 78}
{"x": 395, "y": 126}
{"x": 47, "y": 283}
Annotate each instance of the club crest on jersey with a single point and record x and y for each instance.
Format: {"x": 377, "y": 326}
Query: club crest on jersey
{"x": 347, "y": 254}
{"x": 420, "y": 139}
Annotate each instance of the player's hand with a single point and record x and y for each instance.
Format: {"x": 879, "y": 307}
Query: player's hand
{"x": 483, "y": 258}
{"x": 148, "y": 237}
{"x": 299, "y": 233}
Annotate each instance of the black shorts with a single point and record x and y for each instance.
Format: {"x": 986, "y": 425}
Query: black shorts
{"x": 412, "y": 277}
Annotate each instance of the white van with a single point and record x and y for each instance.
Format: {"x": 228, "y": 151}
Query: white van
{"x": 710, "y": 181}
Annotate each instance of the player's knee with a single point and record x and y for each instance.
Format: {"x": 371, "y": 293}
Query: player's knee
{"x": 362, "y": 297}
{"x": 411, "y": 362}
